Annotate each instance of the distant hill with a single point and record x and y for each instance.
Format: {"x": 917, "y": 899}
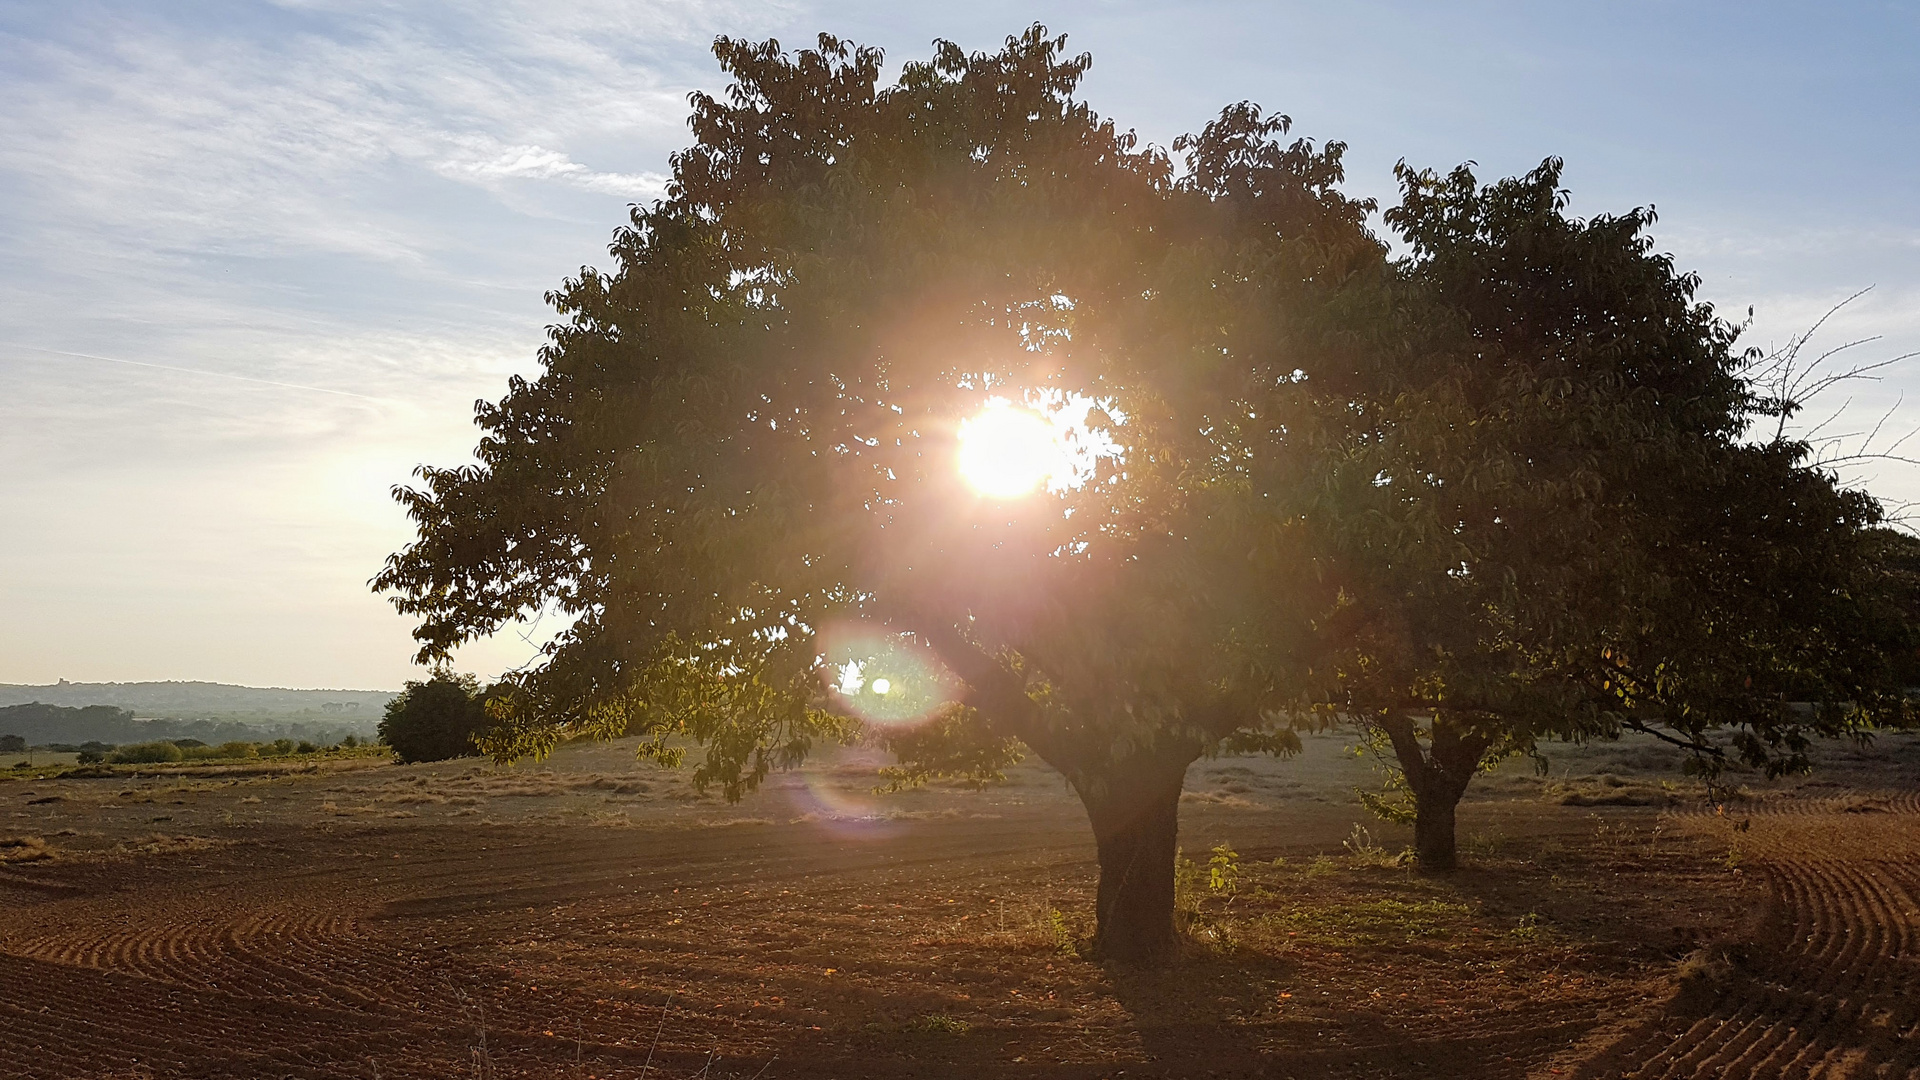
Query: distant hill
{"x": 207, "y": 700}
{"x": 54, "y": 723}
{"x": 41, "y": 724}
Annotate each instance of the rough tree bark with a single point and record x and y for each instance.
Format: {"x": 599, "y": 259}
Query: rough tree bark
{"x": 1133, "y": 802}
{"x": 1437, "y": 774}
{"x": 1134, "y": 807}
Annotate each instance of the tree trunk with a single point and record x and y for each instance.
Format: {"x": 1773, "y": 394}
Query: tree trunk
{"x": 1434, "y": 845}
{"x": 1135, "y": 811}
{"x": 1437, "y": 775}
{"x": 1133, "y": 803}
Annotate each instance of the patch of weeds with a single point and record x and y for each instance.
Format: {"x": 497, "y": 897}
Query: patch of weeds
{"x": 1223, "y": 872}
{"x": 1368, "y": 922}
{"x": 1029, "y": 925}
{"x": 1529, "y": 927}
{"x": 1322, "y": 866}
{"x": 1363, "y": 851}
{"x": 1062, "y": 933}
{"x": 941, "y": 1024}
{"x": 1486, "y": 845}
{"x": 1201, "y": 895}
{"x": 1194, "y": 884}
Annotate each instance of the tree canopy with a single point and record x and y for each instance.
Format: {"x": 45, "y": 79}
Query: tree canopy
{"x": 1555, "y": 526}
{"x": 1304, "y": 479}
{"x": 434, "y": 719}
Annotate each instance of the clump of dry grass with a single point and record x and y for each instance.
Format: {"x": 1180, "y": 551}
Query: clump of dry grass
{"x": 1607, "y": 789}
{"x": 20, "y": 849}
{"x": 162, "y": 843}
{"x": 1028, "y": 924}
{"x": 1219, "y": 798}
{"x": 1704, "y": 975}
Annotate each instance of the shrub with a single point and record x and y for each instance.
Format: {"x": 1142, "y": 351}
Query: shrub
{"x": 147, "y": 753}
{"x": 306, "y": 748}
{"x": 350, "y": 742}
{"x": 235, "y": 750}
{"x": 13, "y": 744}
{"x": 91, "y": 757}
{"x": 282, "y": 746}
{"x": 435, "y": 720}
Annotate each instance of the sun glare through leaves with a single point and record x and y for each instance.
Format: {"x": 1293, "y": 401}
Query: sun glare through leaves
{"x": 1051, "y": 441}
{"x": 1007, "y": 451}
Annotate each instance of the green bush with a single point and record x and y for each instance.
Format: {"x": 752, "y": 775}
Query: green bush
{"x": 306, "y": 747}
{"x": 147, "y": 753}
{"x": 281, "y": 746}
{"x": 91, "y": 757}
{"x": 436, "y": 719}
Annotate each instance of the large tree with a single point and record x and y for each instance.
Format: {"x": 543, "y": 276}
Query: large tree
{"x": 737, "y": 470}
{"x": 1554, "y": 524}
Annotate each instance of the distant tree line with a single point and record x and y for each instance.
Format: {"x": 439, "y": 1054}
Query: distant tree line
{"x": 42, "y": 724}
{"x": 169, "y": 751}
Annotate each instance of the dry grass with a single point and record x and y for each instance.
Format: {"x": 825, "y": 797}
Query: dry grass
{"x": 168, "y": 843}
{"x": 21, "y": 849}
{"x": 1608, "y": 789}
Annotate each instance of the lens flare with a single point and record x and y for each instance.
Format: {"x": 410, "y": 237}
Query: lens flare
{"x": 885, "y": 678}
{"x": 1007, "y": 451}
{"x": 889, "y": 680}
{"x": 836, "y": 796}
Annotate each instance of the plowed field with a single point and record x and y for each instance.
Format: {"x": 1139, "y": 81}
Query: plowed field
{"x": 590, "y": 917}
{"x": 1829, "y": 985}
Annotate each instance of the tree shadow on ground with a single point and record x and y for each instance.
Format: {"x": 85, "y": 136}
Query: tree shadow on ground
{"x": 1220, "y": 1015}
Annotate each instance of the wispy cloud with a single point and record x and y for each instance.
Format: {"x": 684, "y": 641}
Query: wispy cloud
{"x": 540, "y": 163}
{"x": 251, "y": 201}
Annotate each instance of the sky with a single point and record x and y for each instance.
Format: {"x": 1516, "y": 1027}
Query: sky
{"x": 257, "y": 260}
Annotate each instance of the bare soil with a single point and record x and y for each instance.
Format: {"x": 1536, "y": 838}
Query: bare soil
{"x": 589, "y": 916}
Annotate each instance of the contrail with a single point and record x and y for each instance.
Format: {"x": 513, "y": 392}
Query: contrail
{"x": 202, "y": 371}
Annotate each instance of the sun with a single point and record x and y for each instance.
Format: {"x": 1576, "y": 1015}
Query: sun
{"x": 1007, "y": 451}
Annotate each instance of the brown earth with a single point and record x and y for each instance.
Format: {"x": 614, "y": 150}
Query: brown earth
{"x": 593, "y": 917}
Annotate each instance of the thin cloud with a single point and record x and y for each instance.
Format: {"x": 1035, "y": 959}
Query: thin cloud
{"x": 199, "y": 371}
{"x": 539, "y": 163}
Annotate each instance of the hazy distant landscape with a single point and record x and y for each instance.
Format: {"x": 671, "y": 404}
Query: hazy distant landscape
{"x": 211, "y": 712}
